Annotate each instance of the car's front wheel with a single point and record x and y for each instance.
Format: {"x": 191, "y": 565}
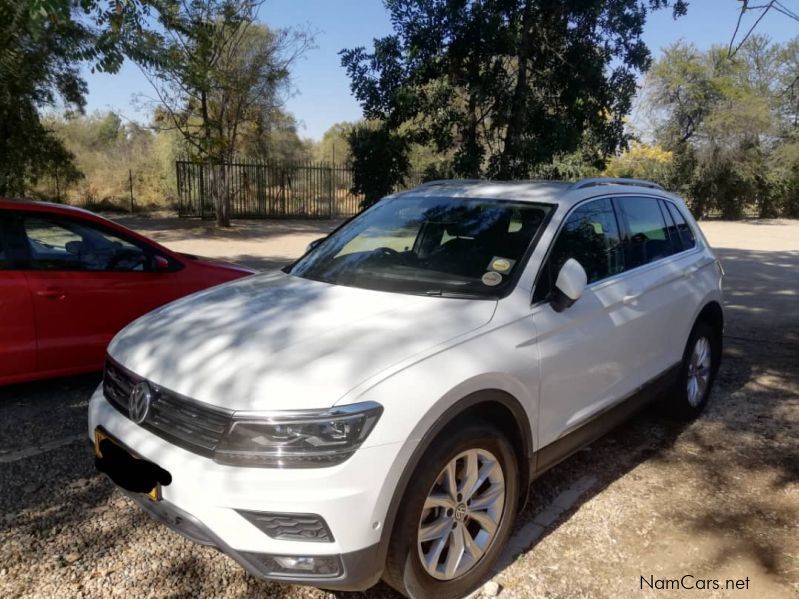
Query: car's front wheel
{"x": 456, "y": 514}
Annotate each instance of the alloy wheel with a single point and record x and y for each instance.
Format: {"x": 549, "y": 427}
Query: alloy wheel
{"x": 699, "y": 371}
{"x": 461, "y": 514}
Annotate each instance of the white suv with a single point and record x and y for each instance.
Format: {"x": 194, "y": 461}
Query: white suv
{"x": 380, "y": 408}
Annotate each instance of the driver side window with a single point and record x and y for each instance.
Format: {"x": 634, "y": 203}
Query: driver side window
{"x": 56, "y": 244}
{"x": 590, "y": 235}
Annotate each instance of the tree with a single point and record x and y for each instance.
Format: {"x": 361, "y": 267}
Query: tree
{"x": 642, "y": 161}
{"x": 42, "y": 46}
{"x": 36, "y": 71}
{"x": 334, "y": 147}
{"x": 219, "y": 71}
{"x": 505, "y": 85}
{"x": 379, "y": 159}
{"x": 724, "y": 119}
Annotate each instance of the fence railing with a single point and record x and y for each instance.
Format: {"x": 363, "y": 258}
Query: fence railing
{"x": 269, "y": 190}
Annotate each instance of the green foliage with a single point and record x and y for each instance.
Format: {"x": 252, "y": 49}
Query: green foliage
{"x": 221, "y": 75}
{"x": 42, "y": 46}
{"x": 334, "y": 146}
{"x": 35, "y": 72}
{"x": 504, "y": 86}
{"x": 642, "y": 161}
{"x": 379, "y": 159}
{"x": 729, "y": 123}
{"x": 107, "y": 151}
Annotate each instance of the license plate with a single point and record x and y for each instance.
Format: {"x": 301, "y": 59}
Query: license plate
{"x": 100, "y": 435}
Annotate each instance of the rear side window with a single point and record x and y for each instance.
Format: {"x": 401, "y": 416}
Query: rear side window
{"x": 671, "y": 227}
{"x": 590, "y": 235}
{"x": 686, "y": 234}
{"x": 648, "y": 238}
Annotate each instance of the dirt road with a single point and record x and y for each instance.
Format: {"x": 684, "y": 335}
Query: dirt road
{"x": 651, "y": 503}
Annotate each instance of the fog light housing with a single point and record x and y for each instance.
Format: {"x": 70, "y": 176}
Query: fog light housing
{"x": 297, "y": 566}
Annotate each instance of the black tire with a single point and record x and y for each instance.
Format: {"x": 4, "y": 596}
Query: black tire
{"x": 680, "y": 404}
{"x": 404, "y": 570}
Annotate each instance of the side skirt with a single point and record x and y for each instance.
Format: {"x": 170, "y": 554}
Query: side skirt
{"x": 569, "y": 444}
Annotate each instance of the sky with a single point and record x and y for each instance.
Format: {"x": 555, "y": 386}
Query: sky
{"x": 322, "y": 95}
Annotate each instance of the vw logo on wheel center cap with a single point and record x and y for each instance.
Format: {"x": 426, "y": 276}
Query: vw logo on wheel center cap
{"x": 460, "y": 512}
{"x": 141, "y": 396}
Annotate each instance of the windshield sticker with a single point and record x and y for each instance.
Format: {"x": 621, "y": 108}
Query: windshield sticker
{"x": 501, "y": 265}
{"x": 492, "y": 279}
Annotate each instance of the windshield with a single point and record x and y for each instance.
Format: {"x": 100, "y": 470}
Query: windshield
{"x": 429, "y": 245}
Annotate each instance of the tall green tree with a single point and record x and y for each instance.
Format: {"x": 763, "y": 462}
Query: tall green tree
{"x": 219, "y": 71}
{"x": 43, "y": 44}
{"x": 505, "y": 85}
{"x": 725, "y": 119}
{"x": 379, "y": 160}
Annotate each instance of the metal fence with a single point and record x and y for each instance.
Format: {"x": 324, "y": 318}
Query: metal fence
{"x": 268, "y": 190}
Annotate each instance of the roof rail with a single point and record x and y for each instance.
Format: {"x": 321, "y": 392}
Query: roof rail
{"x": 614, "y": 181}
{"x": 449, "y": 182}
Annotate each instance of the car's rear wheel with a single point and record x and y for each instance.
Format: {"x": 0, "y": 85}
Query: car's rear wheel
{"x": 456, "y": 514}
{"x": 698, "y": 369}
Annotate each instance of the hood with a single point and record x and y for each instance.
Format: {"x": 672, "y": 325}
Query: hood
{"x": 278, "y": 342}
{"x": 214, "y": 263}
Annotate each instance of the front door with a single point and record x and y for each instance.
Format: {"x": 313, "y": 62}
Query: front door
{"x": 86, "y": 283}
{"x": 588, "y": 352}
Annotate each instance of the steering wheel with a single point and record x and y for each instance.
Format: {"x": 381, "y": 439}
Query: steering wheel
{"x": 387, "y": 251}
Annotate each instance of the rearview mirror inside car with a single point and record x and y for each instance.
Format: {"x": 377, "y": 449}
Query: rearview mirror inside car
{"x": 569, "y": 286}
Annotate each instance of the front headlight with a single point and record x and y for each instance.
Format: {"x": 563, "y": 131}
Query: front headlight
{"x": 306, "y": 439}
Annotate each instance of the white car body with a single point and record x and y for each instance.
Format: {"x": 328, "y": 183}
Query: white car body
{"x": 277, "y": 343}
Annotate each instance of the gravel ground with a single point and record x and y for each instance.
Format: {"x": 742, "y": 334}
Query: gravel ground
{"x": 716, "y": 499}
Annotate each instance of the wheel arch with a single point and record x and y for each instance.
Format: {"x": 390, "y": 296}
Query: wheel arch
{"x": 713, "y": 314}
{"x": 498, "y": 407}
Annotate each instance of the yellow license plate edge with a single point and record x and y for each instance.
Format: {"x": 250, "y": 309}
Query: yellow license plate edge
{"x": 99, "y": 435}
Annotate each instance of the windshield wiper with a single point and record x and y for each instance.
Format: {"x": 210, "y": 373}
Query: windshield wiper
{"x": 457, "y": 294}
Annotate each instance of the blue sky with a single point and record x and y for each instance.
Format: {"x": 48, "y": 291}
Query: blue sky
{"x": 323, "y": 96}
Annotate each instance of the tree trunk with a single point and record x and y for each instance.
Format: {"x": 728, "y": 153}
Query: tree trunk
{"x": 517, "y": 121}
{"x": 223, "y": 195}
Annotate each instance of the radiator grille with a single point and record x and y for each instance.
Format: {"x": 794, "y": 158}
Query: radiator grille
{"x": 184, "y": 422}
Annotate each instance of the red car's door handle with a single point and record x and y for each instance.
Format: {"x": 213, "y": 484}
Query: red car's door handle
{"x": 53, "y": 293}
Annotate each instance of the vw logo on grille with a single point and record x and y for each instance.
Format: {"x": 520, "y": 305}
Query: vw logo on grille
{"x": 139, "y": 403}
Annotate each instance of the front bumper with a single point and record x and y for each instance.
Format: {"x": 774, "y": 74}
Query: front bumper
{"x": 204, "y": 503}
{"x": 359, "y": 570}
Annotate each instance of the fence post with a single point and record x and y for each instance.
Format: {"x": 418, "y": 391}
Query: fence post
{"x": 332, "y": 211}
{"x": 130, "y": 182}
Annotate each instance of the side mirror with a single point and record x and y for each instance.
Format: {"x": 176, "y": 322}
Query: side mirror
{"x": 569, "y": 286}
{"x": 159, "y": 263}
{"x": 314, "y": 243}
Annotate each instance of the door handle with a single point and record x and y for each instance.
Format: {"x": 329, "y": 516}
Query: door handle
{"x": 631, "y": 298}
{"x": 52, "y": 293}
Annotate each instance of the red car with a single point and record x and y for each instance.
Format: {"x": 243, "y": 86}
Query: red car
{"x": 69, "y": 280}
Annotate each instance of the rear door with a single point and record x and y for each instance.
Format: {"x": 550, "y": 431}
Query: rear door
{"x": 657, "y": 270}
{"x": 588, "y": 352}
{"x": 17, "y": 332}
{"x": 87, "y": 282}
